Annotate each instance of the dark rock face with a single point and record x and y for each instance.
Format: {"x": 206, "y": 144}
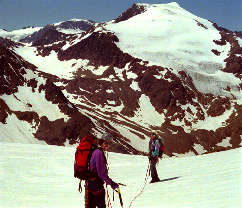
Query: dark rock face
{"x": 234, "y": 60}
{"x": 82, "y": 25}
{"x": 238, "y": 33}
{"x": 4, "y": 111}
{"x": 201, "y": 25}
{"x": 132, "y": 11}
{"x": 161, "y": 92}
{"x": 45, "y": 36}
{"x": 216, "y": 52}
{"x": 58, "y": 132}
{"x": 12, "y": 68}
{"x": 99, "y": 49}
{"x": 219, "y": 106}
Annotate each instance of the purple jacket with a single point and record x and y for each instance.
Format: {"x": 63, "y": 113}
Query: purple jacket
{"x": 98, "y": 165}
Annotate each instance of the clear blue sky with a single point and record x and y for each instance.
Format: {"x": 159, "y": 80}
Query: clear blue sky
{"x": 15, "y": 14}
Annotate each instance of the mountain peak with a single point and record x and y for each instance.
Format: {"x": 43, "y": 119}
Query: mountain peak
{"x": 174, "y": 4}
{"x": 145, "y": 5}
{"x": 74, "y": 20}
{"x": 137, "y": 8}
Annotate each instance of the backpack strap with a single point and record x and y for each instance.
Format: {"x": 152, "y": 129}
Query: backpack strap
{"x": 93, "y": 148}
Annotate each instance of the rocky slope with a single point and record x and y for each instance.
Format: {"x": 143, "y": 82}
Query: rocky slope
{"x": 155, "y": 67}
{"x": 31, "y": 105}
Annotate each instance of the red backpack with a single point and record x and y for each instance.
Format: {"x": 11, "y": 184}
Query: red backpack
{"x": 82, "y": 158}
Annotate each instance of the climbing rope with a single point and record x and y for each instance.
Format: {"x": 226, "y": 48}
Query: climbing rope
{"x": 146, "y": 179}
{"x": 108, "y": 198}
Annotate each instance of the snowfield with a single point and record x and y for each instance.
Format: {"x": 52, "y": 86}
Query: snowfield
{"x": 17, "y": 35}
{"x": 41, "y": 176}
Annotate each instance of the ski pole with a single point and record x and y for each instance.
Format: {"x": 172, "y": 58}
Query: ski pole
{"x": 120, "y": 197}
{"x": 121, "y": 184}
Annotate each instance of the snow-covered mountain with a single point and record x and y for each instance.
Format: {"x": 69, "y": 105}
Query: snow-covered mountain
{"x": 57, "y": 32}
{"x": 155, "y": 67}
{"x": 30, "y": 34}
{"x": 17, "y": 35}
{"x": 74, "y": 26}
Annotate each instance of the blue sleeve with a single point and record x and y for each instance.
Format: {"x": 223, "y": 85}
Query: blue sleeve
{"x": 157, "y": 148}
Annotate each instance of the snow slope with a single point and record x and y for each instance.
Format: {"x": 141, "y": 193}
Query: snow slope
{"x": 27, "y": 100}
{"x": 177, "y": 39}
{"x": 165, "y": 40}
{"x": 41, "y": 176}
{"x": 17, "y": 35}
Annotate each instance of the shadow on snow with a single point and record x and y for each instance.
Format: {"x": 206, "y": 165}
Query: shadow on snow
{"x": 169, "y": 179}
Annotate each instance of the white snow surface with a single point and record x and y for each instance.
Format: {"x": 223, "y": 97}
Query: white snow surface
{"x": 239, "y": 41}
{"x": 165, "y": 41}
{"x": 17, "y": 35}
{"x": 38, "y": 102}
{"x": 225, "y": 142}
{"x": 70, "y": 31}
{"x": 41, "y": 176}
{"x": 50, "y": 64}
{"x": 15, "y": 130}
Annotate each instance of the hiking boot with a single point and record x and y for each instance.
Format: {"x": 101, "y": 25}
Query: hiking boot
{"x": 154, "y": 180}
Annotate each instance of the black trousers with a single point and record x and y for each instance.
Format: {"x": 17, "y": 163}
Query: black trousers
{"x": 153, "y": 170}
{"x": 95, "y": 199}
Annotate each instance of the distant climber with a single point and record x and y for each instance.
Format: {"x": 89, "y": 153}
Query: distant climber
{"x": 156, "y": 149}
